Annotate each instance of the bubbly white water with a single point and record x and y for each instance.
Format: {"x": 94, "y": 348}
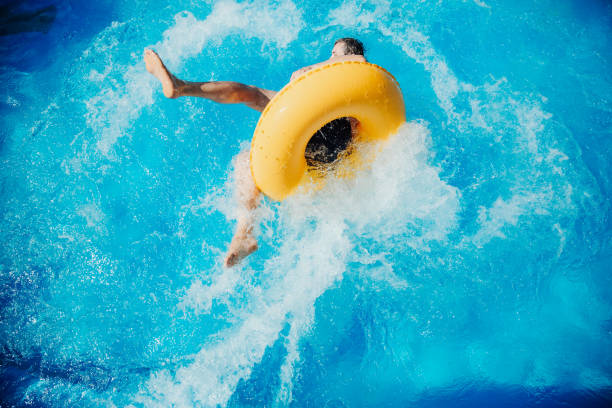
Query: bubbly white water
{"x": 400, "y": 194}
{"x": 399, "y": 202}
{"x": 466, "y": 252}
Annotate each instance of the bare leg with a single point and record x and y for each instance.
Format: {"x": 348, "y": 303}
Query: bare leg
{"x": 218, "y": 91}
{"x": 243, "y": 243}
{"x": 228, "y": 92}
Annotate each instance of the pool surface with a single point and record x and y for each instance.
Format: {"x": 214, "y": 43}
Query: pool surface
{"x": 468, "y": 266}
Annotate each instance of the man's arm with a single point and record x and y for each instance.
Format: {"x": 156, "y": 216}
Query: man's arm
{"x": 339, "y": 58}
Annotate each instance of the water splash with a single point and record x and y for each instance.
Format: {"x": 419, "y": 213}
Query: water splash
{"x": 471, "y": 254}
{"x": 318, "y": 239}
{"x": 112, "y": 112}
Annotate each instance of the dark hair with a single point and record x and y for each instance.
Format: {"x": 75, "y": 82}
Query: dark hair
{"x": 353, "y": 45}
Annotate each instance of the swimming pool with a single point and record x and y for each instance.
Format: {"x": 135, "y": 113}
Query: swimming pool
{"x": 468, "y": 266}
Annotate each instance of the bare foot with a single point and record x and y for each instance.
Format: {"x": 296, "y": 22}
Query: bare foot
{"x": 243, "y": 244}
{"x": 156, "y": 67}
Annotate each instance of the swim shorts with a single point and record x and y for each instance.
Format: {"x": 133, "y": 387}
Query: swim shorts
{"x": 329, "y": 141}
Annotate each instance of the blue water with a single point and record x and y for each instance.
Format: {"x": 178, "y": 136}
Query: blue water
{"x": 468, "y": 266}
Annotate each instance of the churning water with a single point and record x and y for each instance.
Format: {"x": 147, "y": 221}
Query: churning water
{"x": 468, "y": 265}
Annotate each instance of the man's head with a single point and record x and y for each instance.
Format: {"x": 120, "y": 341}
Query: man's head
{"x": 347, "y": 46}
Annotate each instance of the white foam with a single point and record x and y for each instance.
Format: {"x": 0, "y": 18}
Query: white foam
{"x": 92, "y": 214}
{"x": 481, "y": 3}
{"x": 502, "y": 214}
{"x": 409, "y": 196}
{"x": 399, "y": 195}
{"x": 114, "y": 109}
{"x": 13, "y": 102}
{"x": 199, "y": 297}
{"x": 516, "y": 122}
{"x": 319, "y": 232}
{"x": 353, "y": 13}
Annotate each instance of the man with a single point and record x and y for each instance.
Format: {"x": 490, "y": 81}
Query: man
{"x": 323, "y": 147}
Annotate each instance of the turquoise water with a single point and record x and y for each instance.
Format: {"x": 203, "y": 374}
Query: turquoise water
{"x": 468, "y": 266}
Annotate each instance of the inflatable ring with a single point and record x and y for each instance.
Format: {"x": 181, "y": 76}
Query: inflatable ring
{"x": 360, "y": 90}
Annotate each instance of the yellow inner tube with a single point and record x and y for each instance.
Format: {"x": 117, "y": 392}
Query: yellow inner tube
{"x": 360, "y": 90}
